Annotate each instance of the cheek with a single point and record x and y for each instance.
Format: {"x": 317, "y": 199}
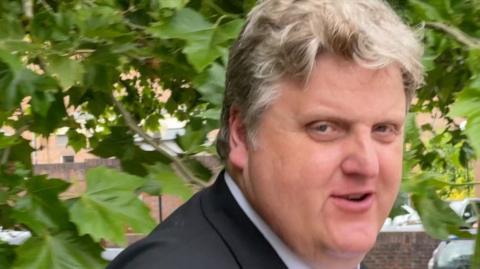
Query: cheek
{"x": 294, "y": 168}
{"x": 390, "y": 174}
{"x": 391, "y": 162}
{"x": 322, "y": 164}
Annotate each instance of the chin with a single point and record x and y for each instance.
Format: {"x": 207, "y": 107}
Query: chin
{"x": 355, "y": 244}
{"x": 359, "y": 247}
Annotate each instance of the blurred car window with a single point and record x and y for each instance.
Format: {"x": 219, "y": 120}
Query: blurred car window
{"x": 455, "y": 254}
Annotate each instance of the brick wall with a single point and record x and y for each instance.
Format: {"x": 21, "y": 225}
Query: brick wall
{"x": 73, "y": 171}
{"x": 401, "y": 250}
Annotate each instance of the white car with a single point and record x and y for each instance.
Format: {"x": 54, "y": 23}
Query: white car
{"x": 468, "y": 209}
{"x": 456, "y": 253}
{"x": 14, "y": 237}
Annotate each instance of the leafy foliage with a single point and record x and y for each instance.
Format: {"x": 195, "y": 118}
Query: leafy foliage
{"x": 162, "y": 178}
{"x": 440, "y": 163}
{"x": 109, "y": 204}
{"x": 438, "y": 218}
{"x": 110, "y": 70}
{"x": 7, "y": 255}
{"x": 63, "y": 250}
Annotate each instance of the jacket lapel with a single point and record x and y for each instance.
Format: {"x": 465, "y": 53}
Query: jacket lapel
{"x": 247, "y": 244}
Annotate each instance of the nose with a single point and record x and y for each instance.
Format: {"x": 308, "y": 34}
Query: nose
{"x": 361, "y": 157}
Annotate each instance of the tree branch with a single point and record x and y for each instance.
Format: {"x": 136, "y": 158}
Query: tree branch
{"x": 177, "y": 162}
{"x": 458, "y": 34}
{"x": 5, "y": 155}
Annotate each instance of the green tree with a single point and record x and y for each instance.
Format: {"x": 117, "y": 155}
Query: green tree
{"x": 442, "y": 164}
{"x": 99, "y": 68}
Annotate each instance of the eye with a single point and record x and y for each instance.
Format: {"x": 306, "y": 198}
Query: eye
{"x": 324, "y": 130}
{"x": 322, "y": 127}
{"x": 386, "y": 132}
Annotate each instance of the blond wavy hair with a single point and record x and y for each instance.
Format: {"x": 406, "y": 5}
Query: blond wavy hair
{"x": 283, "y": 38}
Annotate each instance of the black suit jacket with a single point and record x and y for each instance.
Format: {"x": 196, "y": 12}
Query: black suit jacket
{"x": 209, "y": 231}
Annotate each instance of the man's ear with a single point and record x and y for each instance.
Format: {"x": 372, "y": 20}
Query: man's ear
{"x": 237, "y": 140}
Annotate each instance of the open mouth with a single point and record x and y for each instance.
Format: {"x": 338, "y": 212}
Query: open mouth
{"x": 353, "y": 197}
{"x": 355, "y": 202}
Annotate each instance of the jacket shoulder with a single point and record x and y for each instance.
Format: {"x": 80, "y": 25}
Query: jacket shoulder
{"x": 185, "y": 240}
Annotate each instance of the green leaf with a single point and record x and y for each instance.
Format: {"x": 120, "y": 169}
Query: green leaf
{"x": 53, "y": 118}
{"x": 200, "y": 54}
{"x": 467, "y": 105}
{"x": 11, "y": 60}
{"x": 152, "y": 122}
{"x": 424, "y": 182}
{"x": 187, "y": 24}
{"x": 64, "y": 250}
{"x": 412, "y": 134}
{"x": 191, "y": 139}
{"x": 13, "y": 182}
{"x": 175, "y": 4}
{"x": 428, "y": 62}
{"x": 473, "y": 133}
{"x": 210, "y": 114}
{"x": 198, "y": 169}
{"x": 476, "y": 252}
{"x": 162, "y": 179}
{"x": 76, "y": 140}
{"x": 101, "y": 22}
{"x": 97, "y": 102}
{"x": 120, "y": 144}
{"x": 204, "y": 40}
{"x": 15, "y": 85}
{"x": 472, "y": 60}
{"x": 67, "y": 71}
{"x": 427, "y": 11}
{"x": 7, "y": 255}
{"x": 229, "y": 30}
{"x": 210, "y": 83}
{"x": 101, "y": 69}
{"x": 7, "y": 141}
{"x": 248, "y": 5}
{"x": 49, "y": 26}
{"x": 110, "y": 204}
{"x": 22, "y": 152}
{"x": 40, "y": 209}
{"x": 438, "y": 219}
{"x": 11, "y": 29}
{"x": 19, "y": 45}
{"x": 41, "y": 102}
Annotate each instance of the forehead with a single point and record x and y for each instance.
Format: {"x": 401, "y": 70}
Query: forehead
{"x": 346, "y": 87}
{"x": 332, "y": 68}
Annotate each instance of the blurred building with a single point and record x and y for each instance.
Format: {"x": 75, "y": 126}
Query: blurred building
{"x": 53, "y": 156}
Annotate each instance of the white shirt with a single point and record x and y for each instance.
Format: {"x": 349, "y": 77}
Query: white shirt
{"x": 290, "y": 259}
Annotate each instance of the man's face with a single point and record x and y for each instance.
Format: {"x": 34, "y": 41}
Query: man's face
{"x": 327, "y": 161}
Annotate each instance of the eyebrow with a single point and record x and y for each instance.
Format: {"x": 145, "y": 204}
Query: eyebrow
{"x": 326, "y": 115}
